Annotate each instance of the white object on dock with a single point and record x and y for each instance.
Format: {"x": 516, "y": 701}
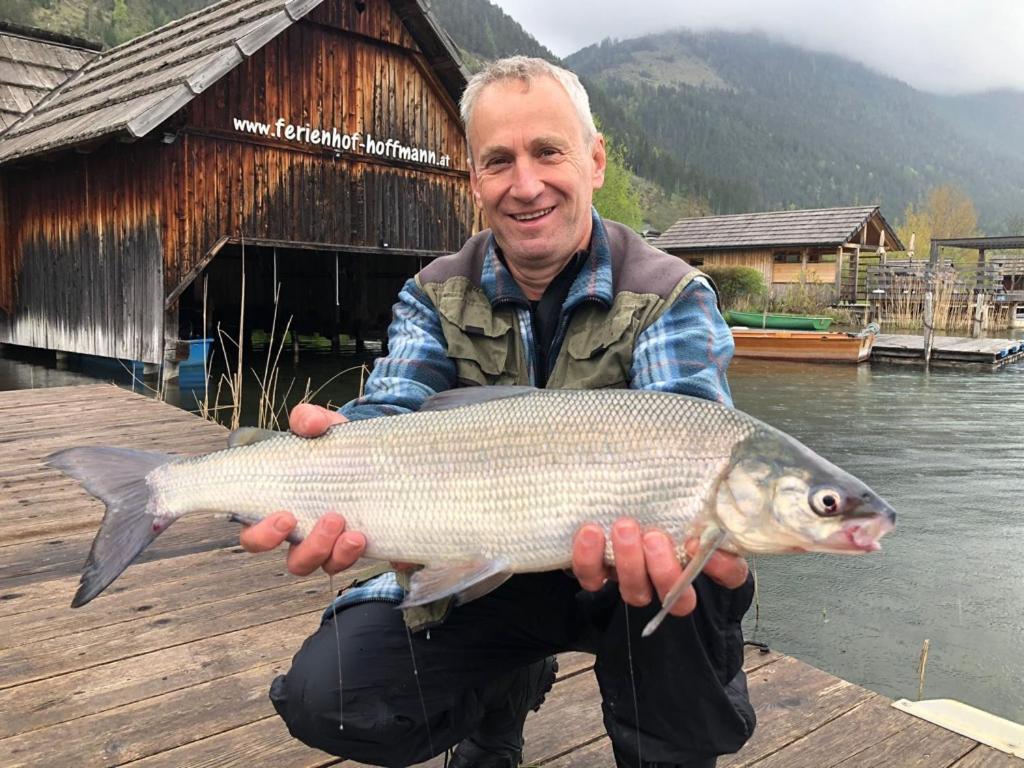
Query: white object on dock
{"x": 992, "y": 730}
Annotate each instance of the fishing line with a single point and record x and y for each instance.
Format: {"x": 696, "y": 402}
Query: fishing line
{"x": 419, "y": 689}
{"x": 632, "y": 684}
{"x": 337, "y": 645}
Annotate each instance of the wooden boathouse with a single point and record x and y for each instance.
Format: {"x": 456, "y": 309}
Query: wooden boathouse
{"x": 819, "y": 246}
{"x": 318, "y": 139}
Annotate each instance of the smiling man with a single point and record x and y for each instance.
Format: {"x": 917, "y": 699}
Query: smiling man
{"x": 551, "y": 295}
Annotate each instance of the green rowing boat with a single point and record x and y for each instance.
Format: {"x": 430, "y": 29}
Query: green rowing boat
{"x": 786, "y": 322}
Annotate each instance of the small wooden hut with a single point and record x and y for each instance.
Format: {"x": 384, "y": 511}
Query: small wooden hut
{"x": 317, "y": 142}
{"x": 821, "y": 246}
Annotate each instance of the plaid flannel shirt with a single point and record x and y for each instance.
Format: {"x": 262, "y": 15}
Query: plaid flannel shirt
{"x": 686, "y": 350}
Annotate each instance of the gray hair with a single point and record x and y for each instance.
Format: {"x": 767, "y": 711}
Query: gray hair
{"x": 525, "y": 68}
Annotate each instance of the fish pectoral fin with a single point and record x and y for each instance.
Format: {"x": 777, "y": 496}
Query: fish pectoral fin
{"x": 250, "y": 435}
{"x": 467, "y": 581}
{"x": 711, "y": 539}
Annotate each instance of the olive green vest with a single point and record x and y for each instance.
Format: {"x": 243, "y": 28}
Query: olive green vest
{"x": 486, "y": 342}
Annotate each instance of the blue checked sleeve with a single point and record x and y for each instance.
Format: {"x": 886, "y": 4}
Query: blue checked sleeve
{"x": 416, "y": 366}
{"x": 687, "y": 350}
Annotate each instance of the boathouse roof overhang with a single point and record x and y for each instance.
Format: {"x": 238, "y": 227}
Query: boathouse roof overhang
{"x": 812, "y": 228}
{"x": 130, "y": 90}
{"x": 32, "y": 63}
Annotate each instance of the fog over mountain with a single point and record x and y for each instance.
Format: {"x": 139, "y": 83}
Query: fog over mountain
{"x": 943, "y": 46}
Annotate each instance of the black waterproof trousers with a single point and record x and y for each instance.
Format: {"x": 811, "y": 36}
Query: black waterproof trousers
{"x": 691, "y": 693}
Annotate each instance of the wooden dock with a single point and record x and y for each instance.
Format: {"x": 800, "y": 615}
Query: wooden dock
{"x": 948, "y": 350}
{"x": 171, "y": 666}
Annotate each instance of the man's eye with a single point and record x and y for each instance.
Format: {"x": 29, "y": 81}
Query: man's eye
{"x": 496, "y": 162}
{"x": 549, "y": 152}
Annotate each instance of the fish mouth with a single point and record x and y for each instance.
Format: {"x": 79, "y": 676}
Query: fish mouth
{"x": 862, "y": 534}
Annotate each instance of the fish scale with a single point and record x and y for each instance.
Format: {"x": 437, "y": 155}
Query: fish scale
{"x": 488, "y": 481}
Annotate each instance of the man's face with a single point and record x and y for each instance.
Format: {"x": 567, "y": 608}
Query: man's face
{"x": 533, "y": 174}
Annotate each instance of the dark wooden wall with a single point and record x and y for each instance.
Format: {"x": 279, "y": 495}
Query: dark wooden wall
{"x": 93, "y": 243}
{"x": 84, "y": 243}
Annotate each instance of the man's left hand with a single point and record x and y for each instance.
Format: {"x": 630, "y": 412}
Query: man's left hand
{"x": 646, "y": 563}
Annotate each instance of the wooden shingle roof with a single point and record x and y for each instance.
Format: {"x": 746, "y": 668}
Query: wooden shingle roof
{"x": 821, "y": 227}
{"x": 135, "y": 87}
{"x": 32, "y": 64}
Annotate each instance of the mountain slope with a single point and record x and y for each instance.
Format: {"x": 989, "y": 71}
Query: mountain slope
{"x": 807, "y": 129}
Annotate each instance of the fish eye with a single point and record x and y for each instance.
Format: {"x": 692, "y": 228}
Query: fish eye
{"x": 826, "y": 502}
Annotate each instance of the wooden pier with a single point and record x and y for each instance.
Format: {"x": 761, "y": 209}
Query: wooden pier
{"x": 171, "y": 666}
{"x": 948, "y": 350}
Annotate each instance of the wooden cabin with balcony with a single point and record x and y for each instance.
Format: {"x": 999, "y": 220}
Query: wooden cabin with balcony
{"x": 316, "y": 142}
{"x": 821, "y": 247}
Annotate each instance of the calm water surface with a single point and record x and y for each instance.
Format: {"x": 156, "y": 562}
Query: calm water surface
{"x": 945, "y": 447}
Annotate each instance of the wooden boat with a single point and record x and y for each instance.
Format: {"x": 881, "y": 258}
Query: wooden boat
{"x": 808, "y": 346}
{"x": 788, "y": 322}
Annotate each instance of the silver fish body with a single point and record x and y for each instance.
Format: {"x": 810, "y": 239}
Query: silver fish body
{"x": 510, "y": 480}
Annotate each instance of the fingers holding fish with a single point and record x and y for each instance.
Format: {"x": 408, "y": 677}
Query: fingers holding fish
{"x": 588, "y": 558}
{"x": 326, "y": 546}
{"x": 267, "y": 534}
{"x": 631, "y": 567}
{"x": 664, "y": 570}
{"x": 723, "y": 568}
{"x": 308, "y": 420}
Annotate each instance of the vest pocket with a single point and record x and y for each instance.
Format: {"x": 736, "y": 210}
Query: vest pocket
{"x": 600, "y": 353}
{"x": 481, "y": 344}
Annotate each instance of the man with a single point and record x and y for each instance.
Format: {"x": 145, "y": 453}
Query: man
{"x": 554, "y": 296}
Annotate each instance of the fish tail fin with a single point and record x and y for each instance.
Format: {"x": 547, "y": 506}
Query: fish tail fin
{"x": 117, "y": 477}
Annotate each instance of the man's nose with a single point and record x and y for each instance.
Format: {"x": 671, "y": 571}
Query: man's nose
{"x": 526, "y": 183}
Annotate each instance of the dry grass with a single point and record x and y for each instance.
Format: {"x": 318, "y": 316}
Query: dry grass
{"x": 273, "y": 404}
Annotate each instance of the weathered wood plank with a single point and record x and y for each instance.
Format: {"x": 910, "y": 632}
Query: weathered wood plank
{"x": 152, "y": 593}
{"x": 145, "y": 728}
{"x": 263, "y": 742}
{"x": 792, "y": 699}
{"x": 33, "y": 561}
{"x": 91, "y": 691}
{"x": 919, "y": 745}
{"x": 79, "y": 650}
{"x": 840, "y": 739}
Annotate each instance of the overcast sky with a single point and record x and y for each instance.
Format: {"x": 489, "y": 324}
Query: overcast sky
{"x": 945, "y": 46}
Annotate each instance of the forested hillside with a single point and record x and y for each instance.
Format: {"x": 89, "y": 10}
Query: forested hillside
{"x": 786, "y": 127}
{"x": 106, "y": 21}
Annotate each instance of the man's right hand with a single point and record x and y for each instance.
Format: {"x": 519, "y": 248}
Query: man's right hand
{"x": 329, "y": 545}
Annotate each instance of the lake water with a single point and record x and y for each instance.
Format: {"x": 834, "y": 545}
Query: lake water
{"x": 945, "y": 447}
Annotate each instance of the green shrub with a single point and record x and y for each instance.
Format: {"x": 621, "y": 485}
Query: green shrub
{"x": 737, "y": 285}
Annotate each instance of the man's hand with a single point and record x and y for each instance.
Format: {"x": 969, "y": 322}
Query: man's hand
{"x": 645, "y": 564}
{"x": 329, "y": 545}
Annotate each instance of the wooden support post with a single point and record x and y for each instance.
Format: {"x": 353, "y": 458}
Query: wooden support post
{"x": 839, "y": 273}
{"x": 929, "y": 302}
{"x": 980, "y": 312}
{"x": 336, "y": 326}
{"x": 980, "y": 297}
{"x": 855, "y": 274}
{"x": 361, "y": 308}
{"x": 804, "y": 255}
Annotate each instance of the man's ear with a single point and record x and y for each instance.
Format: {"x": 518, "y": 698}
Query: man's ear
{"x": 600, "y": 158}
{"x": 474, "y": 184}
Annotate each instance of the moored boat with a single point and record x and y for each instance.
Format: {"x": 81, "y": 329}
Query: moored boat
{"x": 780, "y": 321}
{"x": 808, "y": 346}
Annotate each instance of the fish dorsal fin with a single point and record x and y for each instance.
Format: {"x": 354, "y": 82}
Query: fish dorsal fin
{"x": 467, "y": 581}
{"x": 250, "y": 435}
{"x": 457, "y": 398}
